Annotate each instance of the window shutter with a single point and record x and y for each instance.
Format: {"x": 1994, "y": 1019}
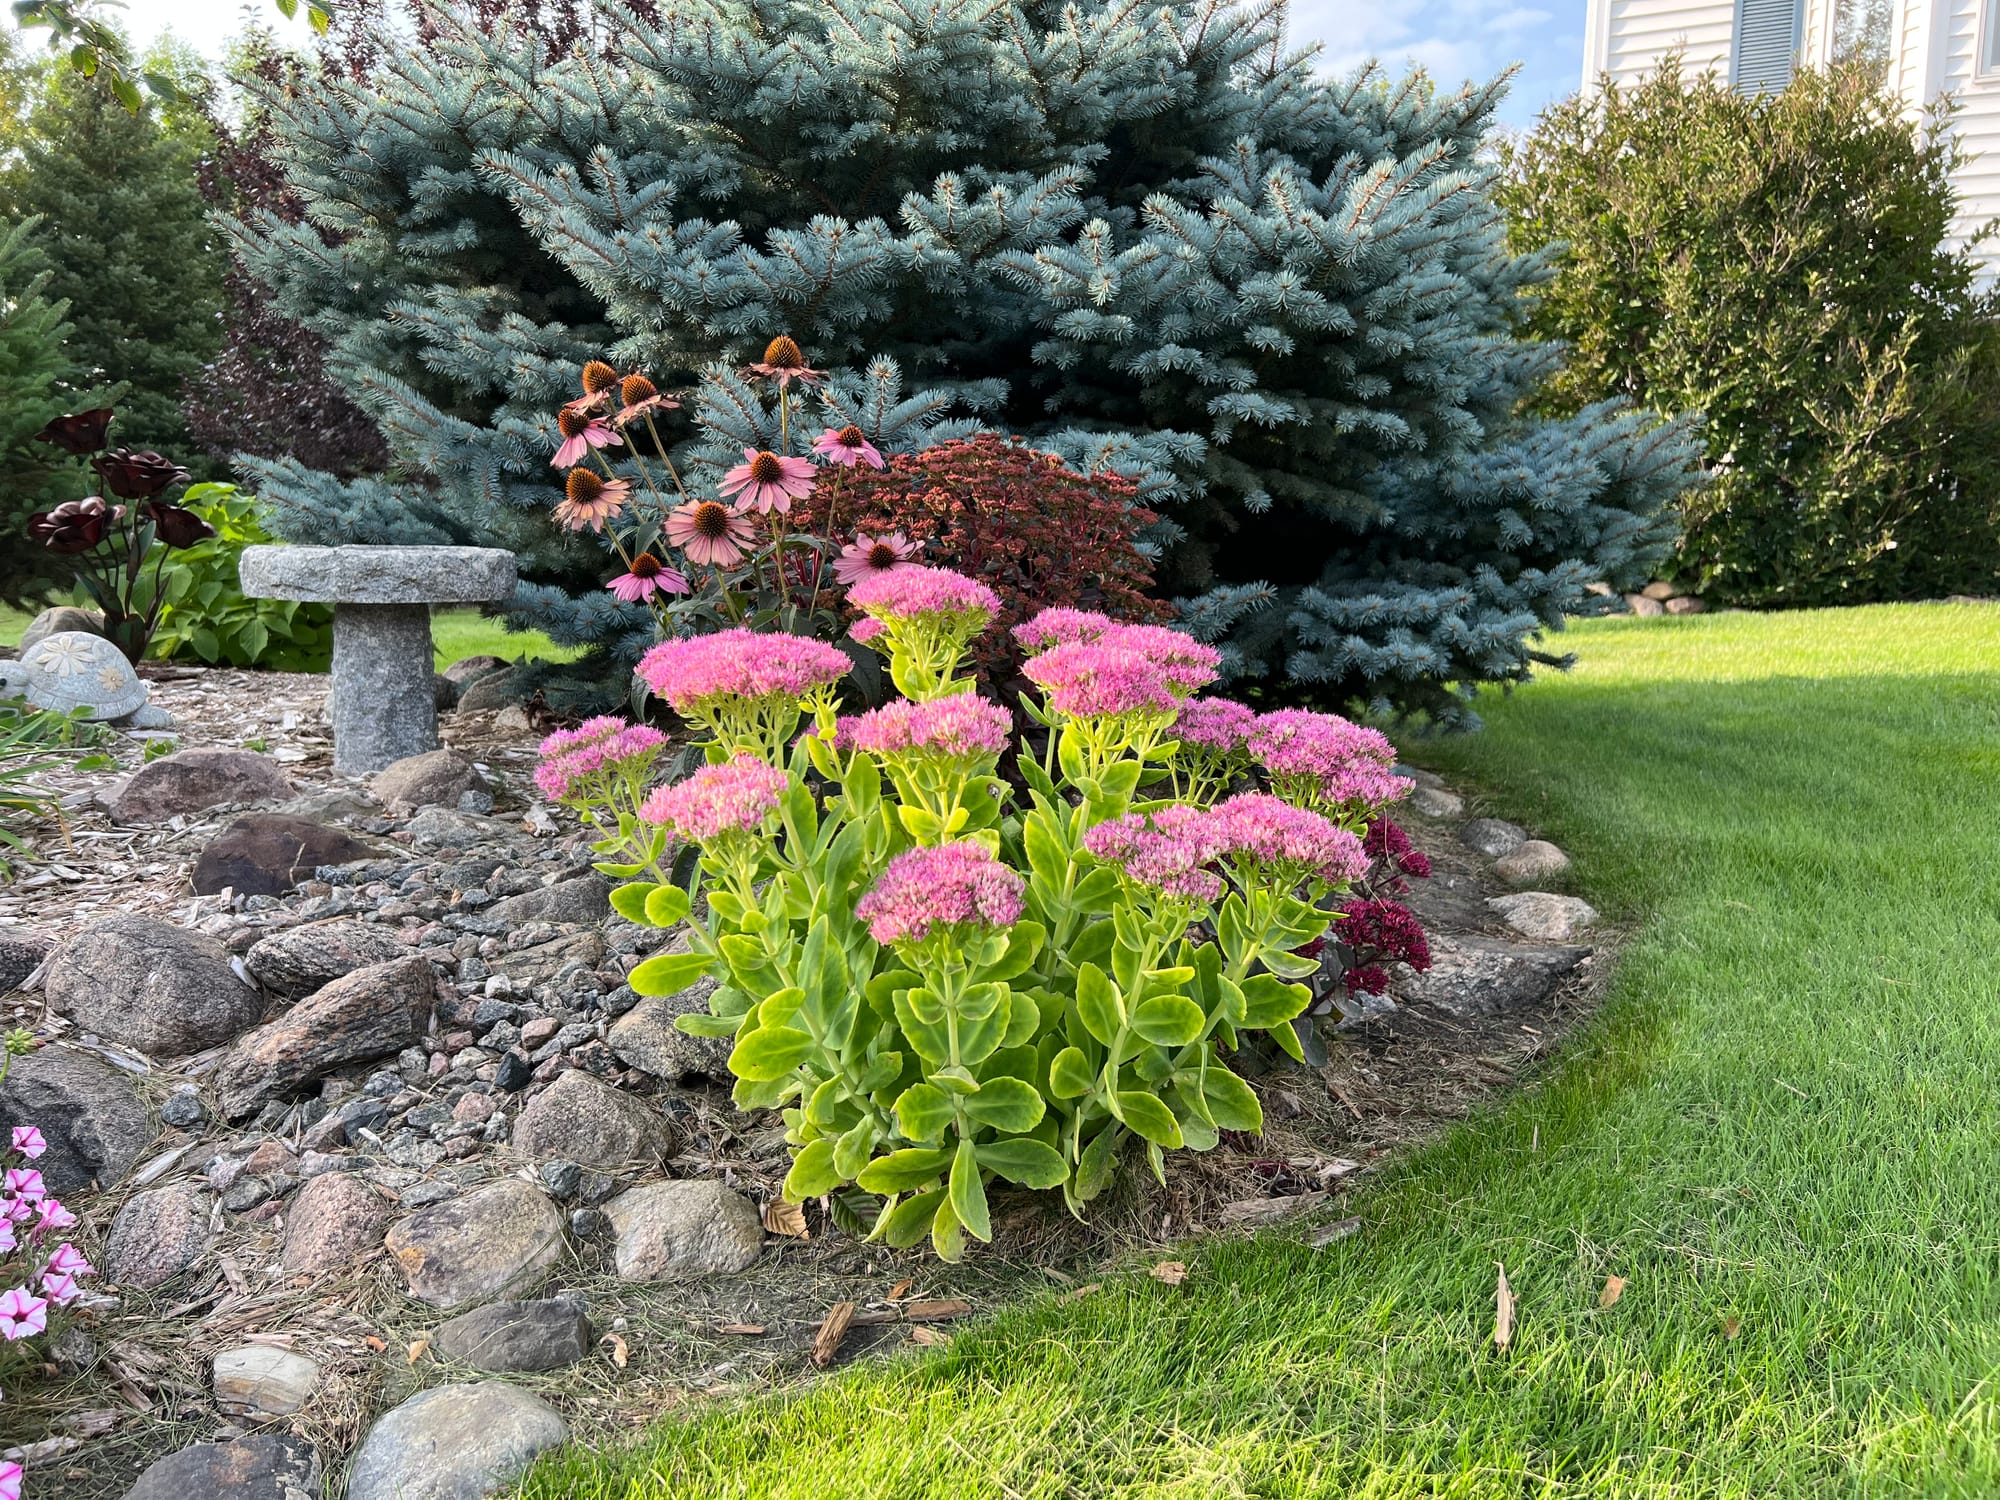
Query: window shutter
{"x": 1767, "y": 38}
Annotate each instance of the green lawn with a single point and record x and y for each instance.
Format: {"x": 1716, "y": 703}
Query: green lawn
{"x": 1783, "y": 1131}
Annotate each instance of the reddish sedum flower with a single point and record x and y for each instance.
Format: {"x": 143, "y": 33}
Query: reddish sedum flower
{"x": 873, "y": 554}
{"x": 647, "y": 577}
{"x": 1394, "y": 856}
{"x": 740, "y": 664}
{"x": 1167, "y": 850}
{"x": 581, "y": 432}
{"x": 964, "y": 727}
{"x": 767, "y": 481}
{"x": 1060, "y": 625}
{"x": 1327, "y": 760}
{"x": 915, "y": 593}
{"x": 1267, "y": 837}
{"x": 589, "y": 500}
{"x": 1377, "y": 933}
{"x": 709, "y": 532}
{"x": 847, "y": 446}
{"x": 1088, "y": 679}
{"x": 733, "y": 797}
{"x": 1218, "y": 724}
{"x": 934, "y": 891}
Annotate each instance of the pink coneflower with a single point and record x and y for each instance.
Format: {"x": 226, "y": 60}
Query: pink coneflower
{"x": 848, "y": 446}
{"x": 22, "y": 1314}
{"x": 784, "y": 361}
{"x": 589, "y": 500}
{"x": 1086, "y": 679}
{"x": 874, "y": 554}
{"x": 649, "y": 576}
{"x": 740, "y": 664}
{"x": 767, "y": 481}
{"x": 963, "y": 727}
{"x": 735, "y": 796}
{"x": 709, "y": 532}
{"x": 29, "y": 1141}
{"x": 1167, "y": 850}
{"x": 1219, "y": 724}
{"x": 925, "y": 889}
{"x": 637, "y": 395}
{"x": 581, "y": 432}
{"x": 912, "y": 592}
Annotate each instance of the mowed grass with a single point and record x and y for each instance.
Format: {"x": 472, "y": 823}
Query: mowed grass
{"x": 1783, "y": 1132}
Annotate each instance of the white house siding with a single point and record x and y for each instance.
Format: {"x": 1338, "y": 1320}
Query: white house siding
{"x": 1627, "y": 38}
{"x": 1955, "y": 69}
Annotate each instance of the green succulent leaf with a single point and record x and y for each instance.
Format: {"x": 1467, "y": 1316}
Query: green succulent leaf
{"x": 1030, "y": 1163}
{"x": 900, "y": 1171}
{"x": 1269, "y": 1001}
{"x": 666, "y": 905}
{"x": 968, "y": 1193}
{"x": 1149, "y": 1117}
{"x": 924, "y": 1112}
{"x": 813, "y": 1173}
{"x": 629, "y": 901}
{"x": 1070, "y": 1074}
{"x": 1007, "y": 1104}
{"x": 669, "y": 973}
{"x": 769, "y": 1053}
{"x": 1168, "y": 1020}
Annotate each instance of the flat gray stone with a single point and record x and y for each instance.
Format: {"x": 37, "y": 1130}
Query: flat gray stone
{"x": 668, "y": 1229}
{"x": 370, "y": 1013}
{"x": 1436, "y": 802}
{"x": 493, "y": 1243}
{"x": 518, "y": 1336}
{"x": 1472, "y": 976}
{"x": 157, "y": 1235}
{"x": 266, "y": 1466}
{"x": 580, "y": 1118}
{"x": 263, "y": 1379}
{"x": 454, "y": 1442}
{"x": 430, "y": 778}
{"x": 87, "y": 1111}
{"x": 191, "y": 780}
{"x": 378, "y": 575}
{"x": 1544, "y": 917}
{"x": 584, "y": 898}
{"x": 74, "y": 669}
{"x": 646, "y": 1038}
{"x": 148, "y": 984}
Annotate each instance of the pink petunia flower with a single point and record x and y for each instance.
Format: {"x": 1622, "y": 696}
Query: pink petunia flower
{"x": 734, "y": 796}
{"x": 709, "y": 532}
{"x": 649, "y": 576}
{"x": 60, "y": 1288}
{"x": 10, "y": 1480}
{"x": 923, "y": 890}
{"x": 51, "y": 1215}
{"x": 874, "y": 554}
{"x": 581, "y": 432}
{"x": 22, "y": 1314}
{"x": 767, "y": 481}
{"x": 7, "y": 1237}
{"x": 848, "y": 446}
{"x": 29, "y": 1141}
{"x": 24, "y": 1183}
{"x": 70, "y": 1261}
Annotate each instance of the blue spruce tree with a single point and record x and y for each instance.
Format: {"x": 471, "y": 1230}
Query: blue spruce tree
{"x": 1141, "y": 236}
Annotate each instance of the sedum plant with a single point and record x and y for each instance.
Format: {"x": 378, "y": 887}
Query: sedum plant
{"x": 941, "y": 980}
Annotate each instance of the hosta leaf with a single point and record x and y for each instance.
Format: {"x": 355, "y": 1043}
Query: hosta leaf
{"x": 769, "y": 1052}
{"x": 813, "y": 1172}
{"x": 900, "y": 1171}
{"x": 1029, "y": 1163}
{"x": 666, "y": 905}
{"x": 1168, "y": 1020}
{"x": 923, "y": 1112}
{"x": 1070, "y": 1074}
{"x": 1149, "y": 1117}
{"x": 1267, "y": 1001}
{"x": 1007, "y": 1104}
{"x": 669, "y": 973}
{"x": 968, "y": 1193}
{"x": 629, "y": 901}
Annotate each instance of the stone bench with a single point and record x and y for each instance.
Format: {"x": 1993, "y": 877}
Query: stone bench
{"x": 383, "y": 707}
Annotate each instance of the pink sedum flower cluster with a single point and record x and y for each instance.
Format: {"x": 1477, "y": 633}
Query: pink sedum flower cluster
{"x": 734, "y": 796}
{"x": 962, "y": 727}
{"x": 1176, "y": 849}
{"x": 1169, "y": 850}
{"x": 1089, "y": 679}
{"x": 742, "y": 664}
{"x": 1259, "y": 829}
{"x": 1336, "y": 760}
{"x": 1219, "y": 724}
{"x": 914, "y": 593}
{"x": 925, "y": 890}
{"x": 571, "y": 757}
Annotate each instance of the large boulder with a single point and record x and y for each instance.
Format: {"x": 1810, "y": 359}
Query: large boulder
{"x": 191, "y": 780}
{"x": 510, "y": 1337}
{"x": 362, "y": 1016}
{"x": 266, "y": 1466}
{"x": 87, "y": 1111}
{"x": 298, "y": 960}
{"x": 264, "y": 854}
{"x": 437, "y": 778}
{"x": 148, "y": 984}
{"x": 1546, "y": 918}
{"x": 1472, "y": 976}
{"x": 581, "y": 1118}
{"x": 496, "y": 1242}
{"x": 670, "y": 1229}
{"x": 453, "y": 1442}
{"x": 334, "y": 1223}
{"x": 157, "y": 1235}
{"x": 583, "y": 898}
{"x": 646, "y": 1038}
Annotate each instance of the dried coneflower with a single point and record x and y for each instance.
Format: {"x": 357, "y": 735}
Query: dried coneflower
{"x": 785, "y": 362}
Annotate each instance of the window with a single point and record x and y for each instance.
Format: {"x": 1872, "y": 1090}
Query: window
{"x": 1767, "y": 41}
{"x": 1864, "y": 30}
{"x": 1989, "y": 37}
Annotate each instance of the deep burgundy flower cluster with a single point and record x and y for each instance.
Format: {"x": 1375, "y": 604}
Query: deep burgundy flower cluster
{"x": 1394, "y": 860}
{"x": 1375, "y": 934}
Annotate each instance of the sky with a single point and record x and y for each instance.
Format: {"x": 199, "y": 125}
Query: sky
{"x": 1454, "y": 39}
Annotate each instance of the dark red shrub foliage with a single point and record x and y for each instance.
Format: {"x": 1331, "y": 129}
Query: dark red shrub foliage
{"x": 1022, "y": 522}
{"x": 1376, "y": 933}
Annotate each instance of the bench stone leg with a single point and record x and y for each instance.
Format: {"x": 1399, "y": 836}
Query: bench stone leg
{"x": 383, "y": 705}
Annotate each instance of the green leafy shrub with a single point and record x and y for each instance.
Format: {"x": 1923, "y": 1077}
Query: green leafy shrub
{"x": 34, "y": 741}
{"x": 1782, "y": 263}
{"x": 208, "y": 617}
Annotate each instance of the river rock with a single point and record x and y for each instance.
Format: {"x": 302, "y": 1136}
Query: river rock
{"x": 298, "y": 960}
{"x": 668, "y": 1229}
{"x": 584, "y": 898}
{"x": 87, "y": 1111}
{"x": 1546, "y": 918}
{"x": 453, "y": 1442}
{"x": 264, "y": 1379}
{"x": 147, "y": 984}
{"x": 518, "y": 1336}
{"x": 265, "y": 854}
{"x": 437, "y": 778}
{"x": 542, "y": 962}
{"x": 585, "y": 1120}
{"x": 265, "y": 1466}
{"x": 646, "y": 1038}
{"x": 497, "y": 1241}
{"x": 1472, "y": 976}
{"x": 1492, "y": 837}
{"x": 1537, "y": 859}
{"x": 79, "y": 669}
{"x": 157, "y": 1235}
{"x": 496, "y": 689}
{"x": 334, "y": 1223}
{"x": 64, "y": 617}
{"x": 190, "y": 780}
{"x": 468, "y": 668}
{"x": 370, "y": 1013}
